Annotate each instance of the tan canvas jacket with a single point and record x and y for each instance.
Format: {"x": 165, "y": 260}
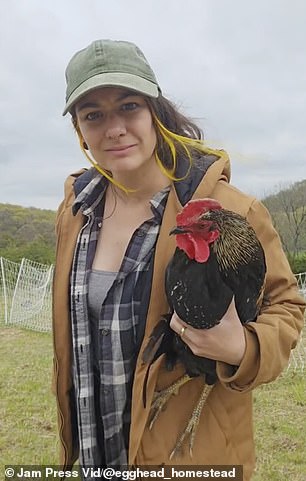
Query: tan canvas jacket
{"x": 225, "y": 434}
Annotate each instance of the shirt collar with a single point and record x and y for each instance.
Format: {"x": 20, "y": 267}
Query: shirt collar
{"x": 93, "y": 192}
{"x": 90, "y": 195}
{"x": 158, "y": 202}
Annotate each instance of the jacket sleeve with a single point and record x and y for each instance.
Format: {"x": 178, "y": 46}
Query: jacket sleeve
{"x": 59, "y": 213}
{"x": 270, "y": 339}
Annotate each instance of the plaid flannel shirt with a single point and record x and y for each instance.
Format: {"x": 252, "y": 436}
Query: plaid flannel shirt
{"x": 103, "y": 404}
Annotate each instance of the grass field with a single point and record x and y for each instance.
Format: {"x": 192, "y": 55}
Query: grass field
{"x": 28, "y": 418}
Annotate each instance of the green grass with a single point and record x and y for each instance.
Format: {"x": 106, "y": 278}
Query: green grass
{"x": 27, "y": 406}
{"x": 28, "y": 417}
{"x": 280, "y": 421}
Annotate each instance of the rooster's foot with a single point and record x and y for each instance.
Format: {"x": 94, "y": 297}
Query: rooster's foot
{"x": 192, "y": 425}
{"x": 161, "y": 398}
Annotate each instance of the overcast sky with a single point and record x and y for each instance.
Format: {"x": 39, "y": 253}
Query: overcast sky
{"x": 238, "y": 68}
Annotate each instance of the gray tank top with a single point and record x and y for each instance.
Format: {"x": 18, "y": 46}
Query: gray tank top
{"x": 99, "y": 283}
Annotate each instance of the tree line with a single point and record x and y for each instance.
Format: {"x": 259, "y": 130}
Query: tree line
{"x": 288, "y": 211}
{"x": 29, "y": 232}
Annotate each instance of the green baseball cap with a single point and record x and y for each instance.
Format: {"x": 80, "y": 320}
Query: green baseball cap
{"x": 109, "y": 63}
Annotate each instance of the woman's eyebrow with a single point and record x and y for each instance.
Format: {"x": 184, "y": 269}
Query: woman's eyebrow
{"x": 124, "y": 95}
{"x": 93, "y": 105}
{"x": 87, "y": 105}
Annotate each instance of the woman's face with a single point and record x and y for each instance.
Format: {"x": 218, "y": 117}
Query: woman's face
{"x": 117, "y": 126}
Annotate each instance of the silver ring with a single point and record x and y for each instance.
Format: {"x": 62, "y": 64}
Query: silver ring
{"x": 183, "y": 329}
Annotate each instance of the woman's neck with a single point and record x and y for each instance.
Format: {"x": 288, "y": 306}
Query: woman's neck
{"x": 143, "y": 185}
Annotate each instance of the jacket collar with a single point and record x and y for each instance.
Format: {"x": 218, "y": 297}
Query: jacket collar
{"x": 186, "y": 187}
{"x": 90, "y": 187}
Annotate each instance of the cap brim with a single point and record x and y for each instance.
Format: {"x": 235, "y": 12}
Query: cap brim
{"x": 113, "y": 79}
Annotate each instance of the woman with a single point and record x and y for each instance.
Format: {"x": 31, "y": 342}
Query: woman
{"x": 113, "y": 247}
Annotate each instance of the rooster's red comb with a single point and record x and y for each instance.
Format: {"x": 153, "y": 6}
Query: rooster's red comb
{"x": 194, "y": 208}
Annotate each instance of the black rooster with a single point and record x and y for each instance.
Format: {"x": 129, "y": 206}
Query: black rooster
{"x": 218, "y": 257}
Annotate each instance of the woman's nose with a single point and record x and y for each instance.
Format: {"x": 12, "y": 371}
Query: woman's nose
{"x": 115, "y": 128}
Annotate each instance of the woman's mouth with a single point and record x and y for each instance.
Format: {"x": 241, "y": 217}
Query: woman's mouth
{"x": 120, "y": 148}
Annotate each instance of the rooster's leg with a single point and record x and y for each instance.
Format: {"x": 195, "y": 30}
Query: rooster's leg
{"x": 192, "y": 425}
{"x": 162, "y": 397}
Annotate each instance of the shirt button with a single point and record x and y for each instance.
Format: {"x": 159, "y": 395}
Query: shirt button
{"x": 104, "y": 332}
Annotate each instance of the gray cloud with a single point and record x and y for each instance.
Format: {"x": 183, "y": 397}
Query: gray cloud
{"x": 237, "y": 67}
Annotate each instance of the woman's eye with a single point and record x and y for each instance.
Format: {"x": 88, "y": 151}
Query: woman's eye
{"x": 130, "y": 106}
{"x": 93, "y": 115}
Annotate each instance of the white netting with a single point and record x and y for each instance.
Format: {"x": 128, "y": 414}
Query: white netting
{"x": 8, "y": 278}
{"x": 301, "y": 280}
{"x": 25, "y": 300}
{"x": 27, "y": 294}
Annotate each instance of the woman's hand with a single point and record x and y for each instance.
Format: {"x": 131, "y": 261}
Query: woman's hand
{"x": 224, "y": 342}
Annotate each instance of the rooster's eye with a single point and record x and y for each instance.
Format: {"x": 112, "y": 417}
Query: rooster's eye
{"x": 213, "y": 227}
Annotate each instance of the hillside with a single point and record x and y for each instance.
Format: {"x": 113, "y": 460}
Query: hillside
{"x": 27, "y": 232}
{"x": 288, "y": 211}
{"x": 294, "y": 194}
